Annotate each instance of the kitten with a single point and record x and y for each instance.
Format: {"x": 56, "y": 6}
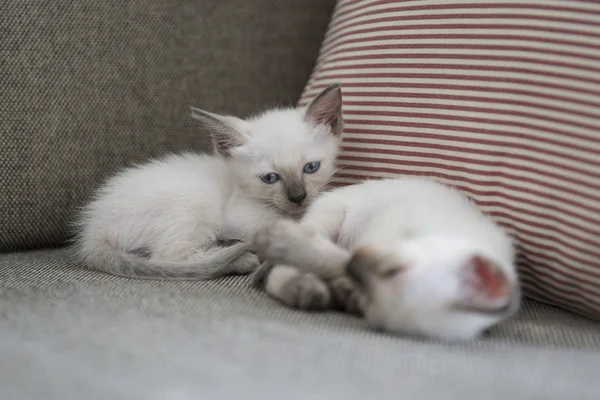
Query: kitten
{"x": 190, "y": 216}
{"x": 411, "y": 255}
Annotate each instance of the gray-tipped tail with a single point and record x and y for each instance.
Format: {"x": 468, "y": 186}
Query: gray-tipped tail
{"x": 210, "y": 264}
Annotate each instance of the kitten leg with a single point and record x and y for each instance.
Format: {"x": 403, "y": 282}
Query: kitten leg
{"x": 310, "y": 244}
{"x": 307, "y": 245}
{"x": 296, "y": 289}
{"x": 259, "y": 277}
{"x": 347, "y": 296}
{"x": 289, "y": 243}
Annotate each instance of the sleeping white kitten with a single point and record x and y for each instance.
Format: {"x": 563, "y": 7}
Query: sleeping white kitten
{"x": 411, "y": 255}
{"x": 190, "y": 216}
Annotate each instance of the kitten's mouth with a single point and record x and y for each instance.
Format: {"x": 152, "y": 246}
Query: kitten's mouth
{"x": 296, "y": 209}
{"x": 290, "y": 208}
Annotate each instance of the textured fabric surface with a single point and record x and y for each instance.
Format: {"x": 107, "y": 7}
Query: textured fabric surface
{"x": 500, "y": 98}
{"x": 71, "y": 333}
{"x": 90, "y": 86}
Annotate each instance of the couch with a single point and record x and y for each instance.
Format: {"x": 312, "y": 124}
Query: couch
{"x": 89, "y": 87}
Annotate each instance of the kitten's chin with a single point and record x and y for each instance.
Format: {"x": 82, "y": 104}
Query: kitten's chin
{"x": 295, "y": 211}
{"x": 292, "y": 210}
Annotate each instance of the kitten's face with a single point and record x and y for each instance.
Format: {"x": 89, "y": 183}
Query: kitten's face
{"x": 282, "y": 158}
{"x": 286, "y": 161}
{"x": 436, "y": 287}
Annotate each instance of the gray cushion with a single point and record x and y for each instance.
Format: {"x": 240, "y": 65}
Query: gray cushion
{"x": 90, "y": 86}
{"x": 71, "y": 333}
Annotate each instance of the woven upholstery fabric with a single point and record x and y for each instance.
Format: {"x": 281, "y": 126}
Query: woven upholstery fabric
{"x": 91, "y": 86}
{"x": 499, "y": 98}
{"x": 68, "y": 332}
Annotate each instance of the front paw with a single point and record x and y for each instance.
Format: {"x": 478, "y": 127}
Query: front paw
{"x": 306, "y": 292}
{"x": 347, "y": 296}
{"x": 276, "y": 242}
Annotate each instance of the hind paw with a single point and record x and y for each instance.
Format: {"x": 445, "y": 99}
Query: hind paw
{"x": 347, "y": 296}
{"x": 306, "y": 292}
{"x": 245, "y": 264}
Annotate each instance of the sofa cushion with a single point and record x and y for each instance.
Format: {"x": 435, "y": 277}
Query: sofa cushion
{"x": 71, "y": 333}
{"x": 90, "y": 86}
{"x": 498, "y": 98}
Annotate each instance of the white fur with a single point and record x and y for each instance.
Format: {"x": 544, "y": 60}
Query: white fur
{"x": 163, "y": 219}
{"x": 426, "y": 231}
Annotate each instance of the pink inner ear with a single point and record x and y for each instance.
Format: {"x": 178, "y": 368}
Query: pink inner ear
{"x": 490, "y": 279}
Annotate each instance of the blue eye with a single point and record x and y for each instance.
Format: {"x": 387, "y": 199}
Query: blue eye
{"x": 312, "y": 167}
{"x": 269, "y": 178}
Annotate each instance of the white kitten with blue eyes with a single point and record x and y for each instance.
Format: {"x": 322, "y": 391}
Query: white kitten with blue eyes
{"x": 190, "y": 216}
{"x": 410, "y": 255}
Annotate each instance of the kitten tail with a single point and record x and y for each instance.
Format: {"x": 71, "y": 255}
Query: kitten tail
{"x": 209, "y": 264}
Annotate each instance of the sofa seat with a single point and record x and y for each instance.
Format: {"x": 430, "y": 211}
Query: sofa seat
{"x": 70, "y": 333}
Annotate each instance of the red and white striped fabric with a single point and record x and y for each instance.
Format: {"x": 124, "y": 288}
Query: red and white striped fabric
{"x": 498, "y": 98}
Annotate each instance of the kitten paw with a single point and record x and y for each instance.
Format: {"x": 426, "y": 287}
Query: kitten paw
{"x": 259, "y": 276}
{"x": 245, "y": 264}
{"x": 306, "y": 292}
{"x": 277, "y": 242}
{"x": 347, "y": 296}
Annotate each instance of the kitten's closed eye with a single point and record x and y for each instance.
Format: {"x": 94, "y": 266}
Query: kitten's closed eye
{"x": 312, "y": 167}
{"x": 269, "y": 178}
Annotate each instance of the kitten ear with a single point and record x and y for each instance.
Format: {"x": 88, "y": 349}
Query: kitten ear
{"x": 487, "y": 288}
{"x": 326, "y": 109}
{"x": 226, "y": 132}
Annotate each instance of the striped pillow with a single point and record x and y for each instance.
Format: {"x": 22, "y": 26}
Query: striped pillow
{"x": 498, "y": 98}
